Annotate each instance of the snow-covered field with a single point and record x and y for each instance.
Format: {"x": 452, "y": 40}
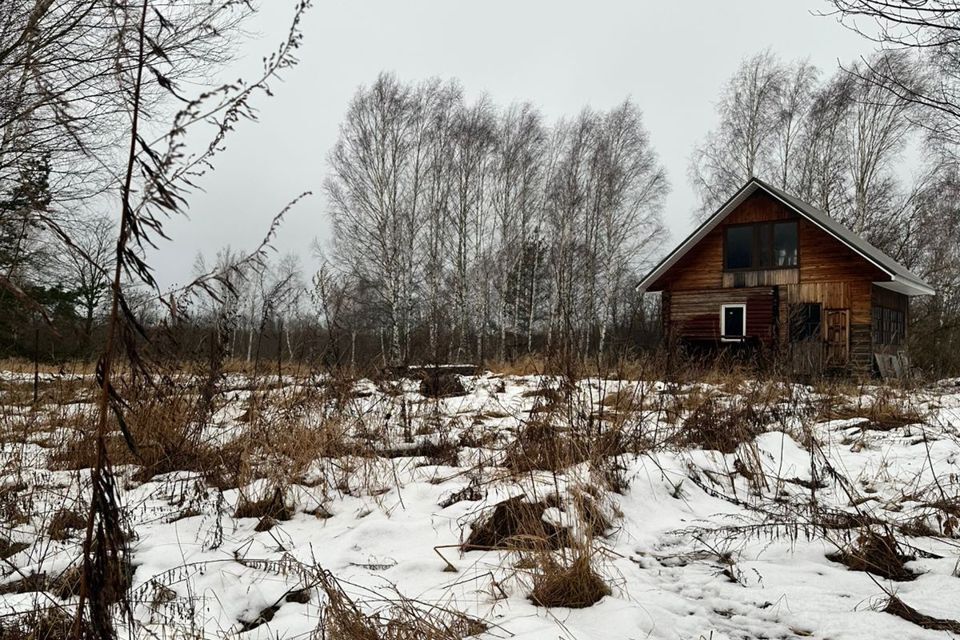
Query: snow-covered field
{"x": 742, "y": 542}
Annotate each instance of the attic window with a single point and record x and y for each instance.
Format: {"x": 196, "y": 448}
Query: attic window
{"x": 739, "y": 247}
{"x": 767, "y": 245}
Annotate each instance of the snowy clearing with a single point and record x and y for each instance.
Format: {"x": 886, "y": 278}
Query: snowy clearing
{"x": 714, "y": 511}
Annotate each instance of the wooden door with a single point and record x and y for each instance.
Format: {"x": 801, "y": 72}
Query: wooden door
{"x": 836, "y": 328}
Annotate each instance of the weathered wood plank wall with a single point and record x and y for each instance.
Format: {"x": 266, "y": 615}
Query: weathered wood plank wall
{"x": 829, "y": 273}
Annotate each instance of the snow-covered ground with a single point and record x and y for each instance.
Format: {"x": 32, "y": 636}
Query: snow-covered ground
{"x": 700, "y": 543}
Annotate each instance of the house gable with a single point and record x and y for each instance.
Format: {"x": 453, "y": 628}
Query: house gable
{"x": 822, "y": 258}
{"x": 827, "y": 251}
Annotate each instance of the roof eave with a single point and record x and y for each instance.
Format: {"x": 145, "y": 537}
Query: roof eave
{"x": 907, "y": 287}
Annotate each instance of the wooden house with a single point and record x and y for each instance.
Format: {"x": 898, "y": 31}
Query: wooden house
{"x": 771, "y": 271}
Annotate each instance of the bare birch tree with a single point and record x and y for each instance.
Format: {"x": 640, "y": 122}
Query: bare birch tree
{"x": 516, "y": 199}
{"x": 473, "y": 139}
{"x": 742, "y": 146}
{"x": 795, "y": 101}
{"x": 86, "y": 267}
{"x": 444, "y": 102}
{"x": 834, "y": 144}
{"x": 879, "y": 125}
{"x": 603, "y": 217}
{"x": 371, "y": 194}
{"x": 631, "y": 186}
{"x": 929, "y": 29}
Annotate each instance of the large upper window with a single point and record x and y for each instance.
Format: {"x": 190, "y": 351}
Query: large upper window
{"x": 767, "y": 245}
{"x": 784, "y": 244}
{"x": 739, "y": 247}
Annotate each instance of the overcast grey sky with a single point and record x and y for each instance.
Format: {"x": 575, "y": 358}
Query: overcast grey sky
{"x": 671, "y": 57}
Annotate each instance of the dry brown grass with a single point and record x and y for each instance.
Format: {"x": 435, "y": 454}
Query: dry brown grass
{"x": 769, "y": 393}
{"x": 29, "y": 583}
{"x": 440, "y": 384}
{"x": 65, "y": 524}
{"x": 64, "y": 586}
{"x": 10, "y": 548}
{"x": 517, "y": 523}
{"x": 541, "y": 445}
{"x": 722, "y": 424}
{"x": 885, "y": 410}
{"x": 526, "y": 365}
{"x": 167, "y": 435}
{"x": 271, "y": 508}
{"x": 645, "y": 366}
{"x": 640, "y": 367}
{"x": 876, "y": 553}
{"x": 50, "y": 623}
{"x": 16, "y": 503}
{"x": 569, "y": 583}
{"x": 719, "y": 372}
{"x": 544, "y": 445}
{"x": 23, "y": 366}
{"x": 77, "y": 450}
{"x": 597, "y": 522}
{"x": 897, "y": 607}
{"x": 166, "y": 427}
{"x": 623, "y": 401}
{"x": 344, "y": 618}
{"x": 17, "y": 394}
{"x": 289, "y": 434}
{"x": 674, "y": 403}
{"x": 547, "y": 399}
{"x": 50, "y": 392}
{"x": 171, "y": 432}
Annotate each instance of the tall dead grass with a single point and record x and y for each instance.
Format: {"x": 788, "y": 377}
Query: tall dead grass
{"x": 400, "y": 618}
{"x": 882, "y": 408}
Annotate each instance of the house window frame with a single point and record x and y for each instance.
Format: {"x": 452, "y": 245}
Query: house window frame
{"x": 723, "y": 327}
{"x": 793, "y": 323}
{"x": 767, "y": 227}
{"x": 889, "y": 326}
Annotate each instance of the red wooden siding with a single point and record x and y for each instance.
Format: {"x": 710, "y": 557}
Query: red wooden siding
{"x": 695, "y": 315}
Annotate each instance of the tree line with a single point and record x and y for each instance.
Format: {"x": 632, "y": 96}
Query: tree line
{"x": 462, "y": 230}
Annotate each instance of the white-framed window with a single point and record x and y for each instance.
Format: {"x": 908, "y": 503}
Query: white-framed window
{"x": 733, "y": 322}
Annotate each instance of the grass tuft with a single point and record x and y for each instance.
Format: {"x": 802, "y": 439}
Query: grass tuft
{"x": 575, "y": 585}
{"x": 876, "y": 553}
{"x": 517, "y": 523}
{"x": 270, "y": 509}
{"x": 65, "y": 524}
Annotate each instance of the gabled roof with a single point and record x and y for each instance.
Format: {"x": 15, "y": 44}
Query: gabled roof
{"x": 901, "y": 279}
